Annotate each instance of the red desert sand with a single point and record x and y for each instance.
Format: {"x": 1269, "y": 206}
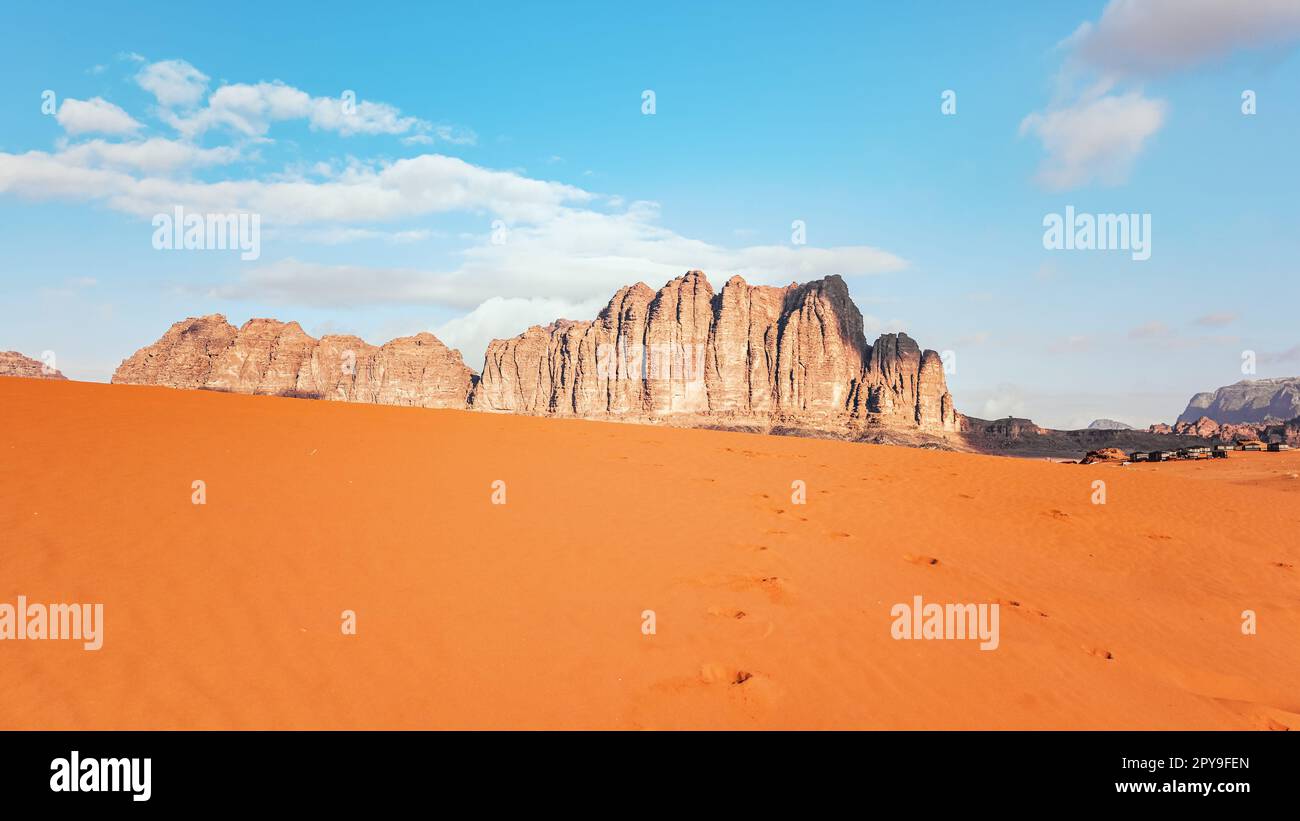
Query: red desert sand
{"x": 769, "y": 614}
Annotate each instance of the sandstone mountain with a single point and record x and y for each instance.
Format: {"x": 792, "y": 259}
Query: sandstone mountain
{"x": 278, "y": 358}
{"x": 1250, "y": 400}
{"x": 1207, "y": 428}
{"x": 13, "y": 363}
{"x": 788, "y": 359}
{"x": 748, "y": 355}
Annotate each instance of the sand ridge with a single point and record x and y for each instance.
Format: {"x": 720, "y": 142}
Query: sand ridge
{"x": 769, "y": 614}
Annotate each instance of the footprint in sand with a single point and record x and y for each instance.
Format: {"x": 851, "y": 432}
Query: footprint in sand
{"x": 922, "y": 560}
{"x": 750, "y": 626}
{"x": 1017, "y": 605}
{"x": 727, "y": 613}
{"x": 1059, "y": 515}
{"x": 751, "y": 690}
{"x": 773, "y": 586}
{"x": 1099, "y": 652}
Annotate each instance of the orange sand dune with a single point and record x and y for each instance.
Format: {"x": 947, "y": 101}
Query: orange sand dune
{"x": 528, "y": 614}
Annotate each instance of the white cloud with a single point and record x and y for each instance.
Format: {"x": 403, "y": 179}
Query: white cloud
{"x": 427, "y": 184}
{"x": 340, "y": 235}
{"x": 1147, "y": 37}
{"x": 505, "y": 317}
{"x": 873, "y": 327}
{"x": 1006, "y": 400}
{"x": 249, "y": 109}
{"x": 294, "y": 282}
{"x": 1096, "y": 135}
{"x": 1094, "y": 140}
{"x": 575, "y": 256}
{"x": 95, "y": 115}
{"x": 154, "y": 155}
{"x": 173, "y": 83}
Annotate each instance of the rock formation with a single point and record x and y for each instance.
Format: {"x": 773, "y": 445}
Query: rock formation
{"x": 1009, "y": 428}
{"x": 1250, "y": 400}
{"x": 1207, "y": 428}
{"x": 1108, "y": 424}
{"x": 13, "y": 363}
{"x": 750, "y": 354}
{"x": 1104, "y": 455}
{"x": 278, "y": 358}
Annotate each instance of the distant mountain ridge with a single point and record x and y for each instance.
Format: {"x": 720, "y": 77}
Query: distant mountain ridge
{"x": 13, "y": 363}
{"x": 1247, "y": 401}
{"x": 1109, "y": 424}
{"x": 775, "y": 359}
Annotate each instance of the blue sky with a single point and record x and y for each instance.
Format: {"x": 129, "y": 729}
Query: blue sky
{"x": 380, "y": 222}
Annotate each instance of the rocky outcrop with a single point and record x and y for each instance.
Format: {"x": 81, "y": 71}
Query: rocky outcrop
{"x": 790, "y": 358}
{"x": 266, "y": 356}
{"x": 750, "y": 354}
{"x": 13, "y": 363}
{"x": 1207, "y": 428}
{"x": 1009, "y": 428}
{"x": 1102, "y": 455}
{"x": 1250, "y": 400}
{"x": 184, "y": 356}
{"x": 1108, "y": 424}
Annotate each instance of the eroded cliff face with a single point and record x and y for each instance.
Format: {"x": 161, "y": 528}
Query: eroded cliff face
{"x": 1250, "y": 400}
{"x": 13, "y": 363}
{"x": 792, "y": 356}
{"x": 183, "y": 358}
{"x": 750, "y": 355}
{"x": 266, "y": 356}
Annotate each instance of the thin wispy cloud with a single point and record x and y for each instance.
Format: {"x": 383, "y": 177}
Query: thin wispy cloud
{"x": 1153, "y": 37}
{"x": 1092, "y": 132}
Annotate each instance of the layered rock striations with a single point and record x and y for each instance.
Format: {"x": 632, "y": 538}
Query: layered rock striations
{"x": 280, "y": 359}
{"x": 1250, "y": 400}
{"x": 756, "y": 356}
{"x": 13, "y": 363}
{"x": 752, "y": 354}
